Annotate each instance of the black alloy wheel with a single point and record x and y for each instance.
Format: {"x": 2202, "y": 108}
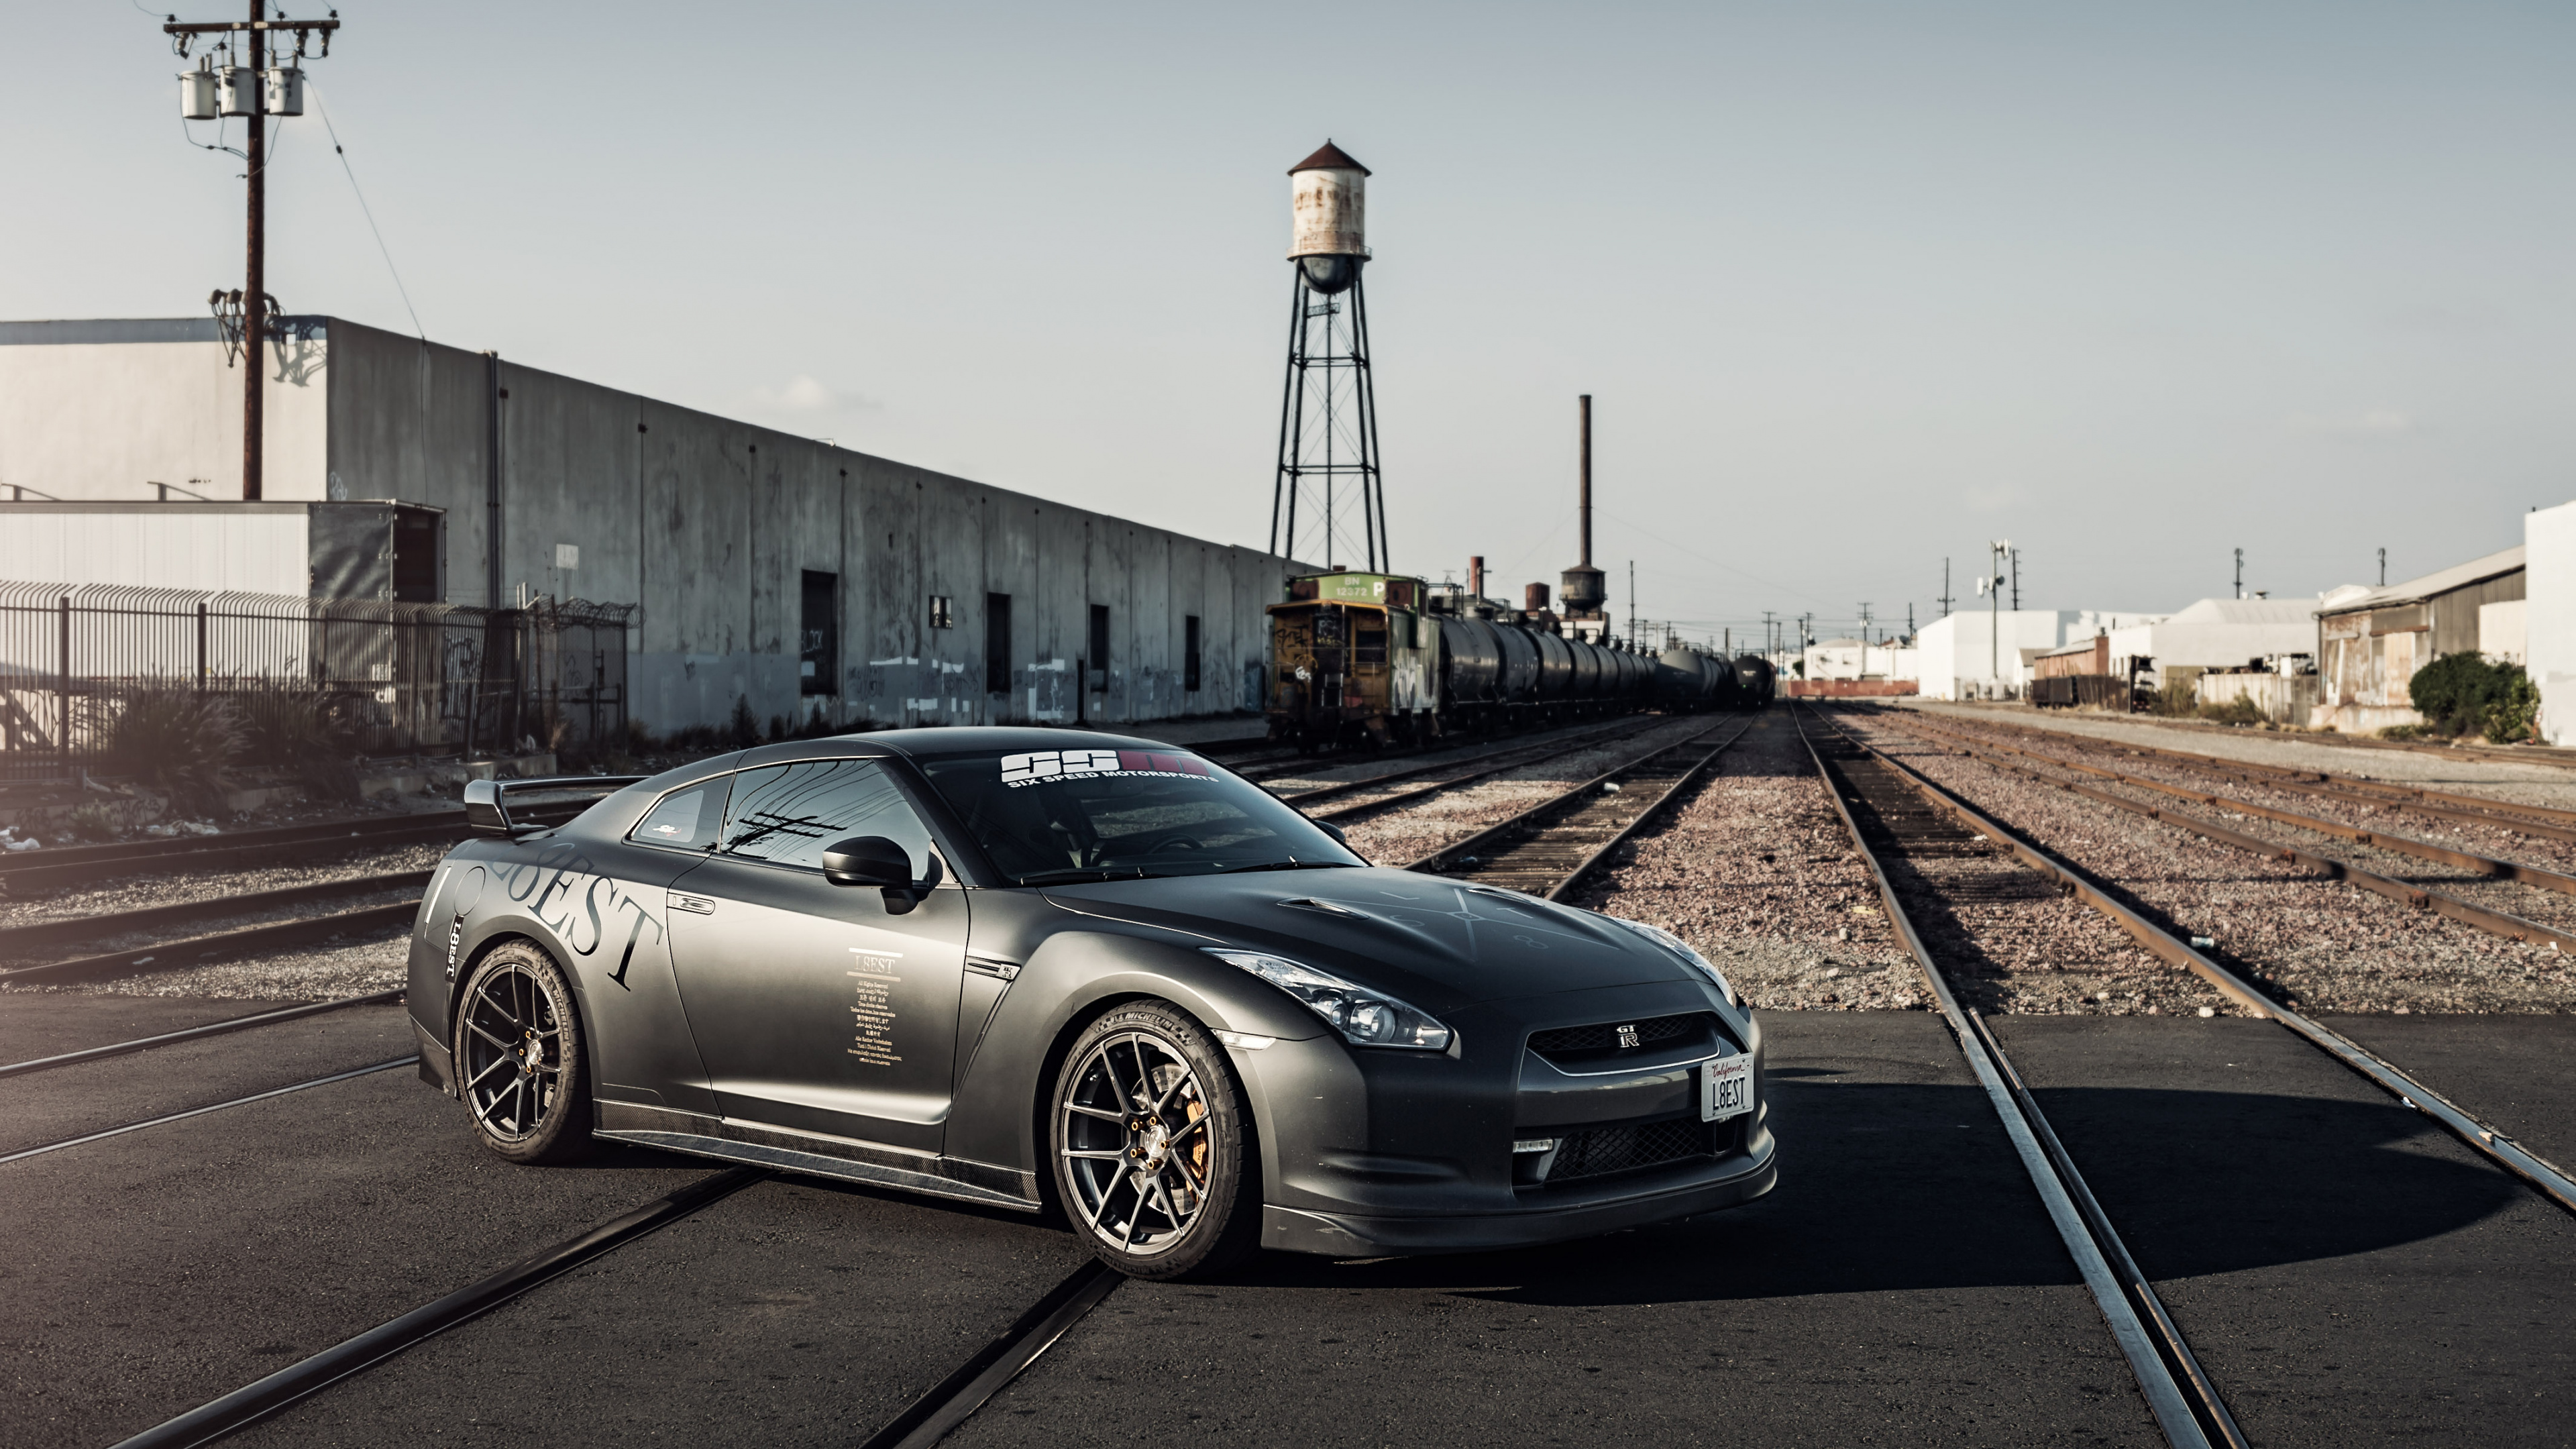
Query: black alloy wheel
{"x": 1153, "y": 1145}
{"x": 519, "y": 1060}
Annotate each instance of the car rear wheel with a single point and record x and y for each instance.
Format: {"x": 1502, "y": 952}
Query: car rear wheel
{"x": 1153, "y": 1146}
{"x": 519, "y": 1057}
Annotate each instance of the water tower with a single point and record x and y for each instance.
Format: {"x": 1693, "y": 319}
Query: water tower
{"x": 1327, "y": 506}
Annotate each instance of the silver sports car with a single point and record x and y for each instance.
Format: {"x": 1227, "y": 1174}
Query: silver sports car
{"x": 1059, "y": 971}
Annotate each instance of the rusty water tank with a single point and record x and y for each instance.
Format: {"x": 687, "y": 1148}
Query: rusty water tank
{"x": 1328, "y": 229}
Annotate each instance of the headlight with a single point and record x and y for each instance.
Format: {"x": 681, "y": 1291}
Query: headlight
{"x": 1681, "y": 948}
{"x": 1364, "y": 1018}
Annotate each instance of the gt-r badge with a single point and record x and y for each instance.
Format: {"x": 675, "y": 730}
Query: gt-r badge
{"x": 1627, "y": 1035}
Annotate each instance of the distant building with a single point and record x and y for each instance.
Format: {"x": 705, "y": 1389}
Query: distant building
{"x": 1994, "y": 654}
{"x": 2370, "y": 642}
{"x": 2546, "y": 633}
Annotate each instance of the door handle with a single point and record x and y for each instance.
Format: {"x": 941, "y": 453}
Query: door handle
{"x": 694, "y": 905}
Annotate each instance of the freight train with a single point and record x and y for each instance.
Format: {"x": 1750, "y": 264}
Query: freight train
{"x": 1370, "y": 660}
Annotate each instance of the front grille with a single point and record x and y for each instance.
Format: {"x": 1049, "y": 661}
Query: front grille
{"x": 1601, "y": 1151}
{"x": 1571, "y": 1045}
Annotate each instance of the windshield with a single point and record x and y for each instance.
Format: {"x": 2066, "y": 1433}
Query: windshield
{"x": 1091, "y": 814}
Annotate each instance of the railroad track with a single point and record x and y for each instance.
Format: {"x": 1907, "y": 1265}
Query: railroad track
{"x": 78, "y": 865}
{"x": 1548, "y": 849}
{"x": 1257, "y": 771}
{"x": 2422, "y": 897}
{"x": 1888, "y": 778}
{"x": 2539, "y": 821}
{"x": 1480, "y": 766}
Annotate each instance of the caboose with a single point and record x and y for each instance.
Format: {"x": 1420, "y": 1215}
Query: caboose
{"x": 1353, "y": 662}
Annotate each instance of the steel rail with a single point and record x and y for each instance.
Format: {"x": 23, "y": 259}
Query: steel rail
{"x": 2544, "y": 1177}
{"x": 14, "y": 939}
{"x": 1268, "y": 770}
{"x": 196, "y": 949}
{"x": 385, "y": 1066}
{"x": 2126, "y": 1301}
{"x": 2441, "y": 903}
{"x": 1449, "y": 855}
{"x": 2530, "y": 875}
{"x": 2532, "y": 820}
{"x": 954, "y": 1399}
{"x": 1490, "y": 763}
{"x": 194, "y": 1033}
{"x": 257, "y": 1401}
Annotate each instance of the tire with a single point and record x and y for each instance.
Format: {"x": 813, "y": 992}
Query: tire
{"x": 521, "y": 1064}
{"x": 1152, "y": 1200}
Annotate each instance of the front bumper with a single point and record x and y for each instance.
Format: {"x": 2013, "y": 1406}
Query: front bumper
{"x": 1375, "y": 1153}
{"x": 1729, "y": 1182}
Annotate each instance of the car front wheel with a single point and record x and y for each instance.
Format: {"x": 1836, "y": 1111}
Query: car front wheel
{"x": 519, "y": 1057}
{"x": 1153, "y": 1145}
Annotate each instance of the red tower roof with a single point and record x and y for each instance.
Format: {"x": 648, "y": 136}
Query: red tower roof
{"x": 1330, "y": 158}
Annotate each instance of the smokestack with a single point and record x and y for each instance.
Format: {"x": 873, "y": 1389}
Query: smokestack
{"x": 1586, "y": 509}
{"x": 1476, "y": 576}
{"x": 1582, "y": 588}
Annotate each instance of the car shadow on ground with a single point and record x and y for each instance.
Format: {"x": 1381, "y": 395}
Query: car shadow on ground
{"x": 1892, "y": 1188}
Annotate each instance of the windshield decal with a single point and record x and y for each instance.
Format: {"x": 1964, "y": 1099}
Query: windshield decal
{"x": 1039, "y": 766}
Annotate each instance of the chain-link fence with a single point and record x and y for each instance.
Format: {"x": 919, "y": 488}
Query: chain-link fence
{"x": 84, "y": 669}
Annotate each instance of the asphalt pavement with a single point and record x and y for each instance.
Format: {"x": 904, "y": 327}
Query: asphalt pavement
{"x": 2348, "y": 1273}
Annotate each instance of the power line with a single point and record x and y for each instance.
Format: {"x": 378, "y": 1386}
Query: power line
{"x": 366, "y": 210}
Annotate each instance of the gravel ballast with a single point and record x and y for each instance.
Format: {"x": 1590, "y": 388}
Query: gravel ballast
{"x": 2326, "y": 945}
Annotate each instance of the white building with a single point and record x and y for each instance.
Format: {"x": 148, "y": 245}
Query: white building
{"x": 1856, "y": 659}
{"x": 2548, "y": 623}
{"x": 2219, "y": 634}
{"x": 1972, "y": 655}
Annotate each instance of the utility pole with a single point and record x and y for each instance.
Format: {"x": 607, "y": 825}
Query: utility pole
{"x": 2383, "y": 568}
{"x": 1632, "y": 602}
{"x": 269, "y": 93}
{"x": 2016, "y": 578}
{"x": 1945, "y": 589}
{"x": 2240, "y": 573}
{"x": 1992, "y": 586}
{"x": 1864, "y": 639}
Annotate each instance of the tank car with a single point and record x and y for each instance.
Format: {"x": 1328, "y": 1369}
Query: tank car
{"x": 1759, "y": 679}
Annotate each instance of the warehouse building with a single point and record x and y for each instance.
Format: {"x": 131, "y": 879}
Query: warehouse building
{"x": 805, "y": 579}
{"x": 2370, "y": 642}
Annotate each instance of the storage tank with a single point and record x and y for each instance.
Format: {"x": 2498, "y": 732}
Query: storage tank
{"x": 1519, "y": 681}
{"x": 1555, "y": 666}
{"x": 1470, "y": 661}
{"x": 1725, "y": 691}
{"x": 1592, "y": 676}
{"x": 1328, "y": 232}
{"x": 1681, "y": 678}
{"x": 1755, "y": 676}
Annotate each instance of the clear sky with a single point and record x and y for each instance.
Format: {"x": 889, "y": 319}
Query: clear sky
{"x": 1856, "y": 287}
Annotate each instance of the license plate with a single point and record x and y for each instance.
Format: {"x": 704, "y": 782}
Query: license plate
{"x": 1725, "y": 1088}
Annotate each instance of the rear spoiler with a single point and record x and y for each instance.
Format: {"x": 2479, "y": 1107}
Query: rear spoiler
{"x": 488, "y": 803}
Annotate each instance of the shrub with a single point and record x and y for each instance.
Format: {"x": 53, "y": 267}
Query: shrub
{"x": 2454, "y": 692}
{"x": 182, "y": 742}
{"x": 2513, "y": 717}
{"x": 2237, "y": 711}
{"x": 309, "y": 733}
{"x": 744, "y": 728}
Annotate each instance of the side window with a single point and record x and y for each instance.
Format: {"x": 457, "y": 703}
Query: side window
{"x": 787, "y": 814}
{"x": 684, "y": 819}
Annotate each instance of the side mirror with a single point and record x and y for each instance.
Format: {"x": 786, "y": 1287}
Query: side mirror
{"x": 1340, "y": 837}
{"x": 868, "y": 860}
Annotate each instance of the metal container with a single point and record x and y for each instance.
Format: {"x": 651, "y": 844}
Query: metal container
{"x": 285, "y": 93}
{"x": 1724, "y": 689}
{"x": 1680, "y": 678}
{"x": 238, "y": 90}
{"x": 1471, "y": 661}
{"x": 197, "y": 100}
{"x": 1591, "y": 678}
{"x": 1555, "y": 666}
{"x": 1518, "y": 683}
{"x": 1329, "y": 205}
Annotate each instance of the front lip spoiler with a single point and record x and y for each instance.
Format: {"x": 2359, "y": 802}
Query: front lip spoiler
{"x": 1348, "y": 1235}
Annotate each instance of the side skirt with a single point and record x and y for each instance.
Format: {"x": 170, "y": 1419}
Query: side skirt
{"x": 817, "y": 1155}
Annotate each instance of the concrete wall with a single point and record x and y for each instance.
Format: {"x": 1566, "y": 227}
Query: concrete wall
{"x": 710, "y": 524}
{"x": 2501, "y": 627}
{"x": 2549, "y": 620}
{"x": 104, "y": 410}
